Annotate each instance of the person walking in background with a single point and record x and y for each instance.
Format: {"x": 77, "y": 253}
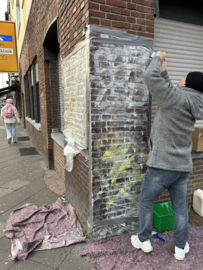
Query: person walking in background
{"x": 10, "y": 115}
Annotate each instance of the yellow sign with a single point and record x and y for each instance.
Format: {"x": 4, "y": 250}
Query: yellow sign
{"x": 8, "y": 49}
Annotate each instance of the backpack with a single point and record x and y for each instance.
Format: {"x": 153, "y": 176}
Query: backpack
{"x": 8, "y": 111}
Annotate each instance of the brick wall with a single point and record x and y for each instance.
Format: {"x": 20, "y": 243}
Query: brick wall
{"x": 77, "y": 189}
{"x": 133, "y": 16}
{"x": 194, "y": 183}
{"x": 41, "y": 15}
{"x": 74, "y": 89}
{"x": 59, "y": 161}
{"x": 72, "y": 18}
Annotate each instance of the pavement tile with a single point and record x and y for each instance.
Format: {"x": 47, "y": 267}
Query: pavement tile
{"x": 5, "y": 206}
{"x": 5, "y": 260}
{"x": 44, "y": 196}
{"x": 29, "y": 265}
{"x": 5, "y": 244}
{"x": 74, "y": 261}
{"x": 15, "y": 184}
{"x": 16, "y": 171}
{"x": 1, "y": 229}
{"x": 19, "y": 198}
{"x": 51, "y": 258}
{"x": 4, "y": 191}
{"x": 19, "y": 170}
{"x": 16, "y": 160}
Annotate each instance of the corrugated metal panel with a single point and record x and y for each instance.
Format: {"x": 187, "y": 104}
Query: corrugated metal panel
{"x": 61, "y": 106}
{"x": 183, "y": 44}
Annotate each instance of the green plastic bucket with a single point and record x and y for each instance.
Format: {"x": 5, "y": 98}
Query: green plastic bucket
{"x": 163, "y": 217}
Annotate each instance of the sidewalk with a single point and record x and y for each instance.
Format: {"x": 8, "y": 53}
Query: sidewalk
{"x": 21, "y": 182}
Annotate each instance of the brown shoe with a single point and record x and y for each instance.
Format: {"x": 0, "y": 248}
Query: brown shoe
{"x": 9, "y": 140}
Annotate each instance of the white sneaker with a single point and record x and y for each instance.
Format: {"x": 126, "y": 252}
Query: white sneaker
{"x": 180, "y": 253}
{"x": 145, "y": 246}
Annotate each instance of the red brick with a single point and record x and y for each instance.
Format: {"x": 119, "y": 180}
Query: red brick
{"x": 138, "y": 27}
{"x": 150, "y": 29}
{"x": 145, "y": 34}
{"x": 131, "y": 6}
{"x": 138, "y": 14}
{"x": 149, "y": 16}
{"x": 105, "y": 8}
{"x": 120, "y": 11}
{"x": 99, "y": 1}
{"x": 116, "y": 17}
{"x": 121, "y": 25}
{"x": 145, "y": 22}
{"x": 131, "y": 20}
{"x": 152, "y": 4}
{"x": 106, "y": 22}
{"x": 94, "y": 6}
{"x": 99, "y": 14}
{"x": 131, "y": 32}
{"x": 93, "y": 21}
{"x": 116, "y": 3}
{"x": 145, "y": 9}
{"x": 141, "y": 2}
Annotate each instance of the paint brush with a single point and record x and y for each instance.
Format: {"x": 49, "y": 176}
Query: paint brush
{"x": 156, "y": 234}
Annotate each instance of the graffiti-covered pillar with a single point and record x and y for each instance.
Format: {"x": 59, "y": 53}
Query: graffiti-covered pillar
{"x": 117, "y": 127}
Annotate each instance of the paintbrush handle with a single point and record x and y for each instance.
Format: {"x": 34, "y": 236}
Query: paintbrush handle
{"x": 159, "y": 237}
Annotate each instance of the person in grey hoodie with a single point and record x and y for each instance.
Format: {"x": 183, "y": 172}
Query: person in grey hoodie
{"x": 169, "y": 161}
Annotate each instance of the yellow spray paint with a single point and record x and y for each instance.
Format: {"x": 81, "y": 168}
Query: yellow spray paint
{"x": 124, "y": 165}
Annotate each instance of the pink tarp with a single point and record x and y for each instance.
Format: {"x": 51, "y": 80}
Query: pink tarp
{"x": 34, "y": 227}
{"x": 117, "y": 253}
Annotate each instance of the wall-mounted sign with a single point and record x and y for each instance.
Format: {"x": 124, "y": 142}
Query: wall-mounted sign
{"x": 8, "y": 49}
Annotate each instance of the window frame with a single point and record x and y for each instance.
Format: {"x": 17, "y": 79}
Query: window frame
{"x": 36, "y": 88}
{"x": 30, "y": 72}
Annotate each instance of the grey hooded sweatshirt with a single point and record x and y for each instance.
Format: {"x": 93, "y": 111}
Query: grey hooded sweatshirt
{"x": 178, "y": 109}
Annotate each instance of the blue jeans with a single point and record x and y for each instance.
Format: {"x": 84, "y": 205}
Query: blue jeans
{"x": 155, "y": 182}
{"x": 11, "y": 131}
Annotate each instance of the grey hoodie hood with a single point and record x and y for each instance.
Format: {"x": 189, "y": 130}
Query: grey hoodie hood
{"x": 195, "y": 99}
{"x": 178, "y": 109}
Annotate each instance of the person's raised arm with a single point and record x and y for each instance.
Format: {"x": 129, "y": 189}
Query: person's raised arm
{"x": 157, "y": 80}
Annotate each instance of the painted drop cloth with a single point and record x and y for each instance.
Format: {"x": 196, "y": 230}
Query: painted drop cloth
{"x": 34, "y": 227}
{"x": 117, "y": 253}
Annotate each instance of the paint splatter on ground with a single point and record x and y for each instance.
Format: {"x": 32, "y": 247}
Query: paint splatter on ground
{"x": 117, "y": 253}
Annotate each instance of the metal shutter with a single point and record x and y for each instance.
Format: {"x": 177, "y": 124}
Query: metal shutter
{"x": 183, "y": 44}
{"x": 61, "y": 110}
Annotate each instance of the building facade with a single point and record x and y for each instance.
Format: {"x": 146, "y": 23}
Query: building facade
{"x": 81, "y": 66}
{"x": 19, "y": 13}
